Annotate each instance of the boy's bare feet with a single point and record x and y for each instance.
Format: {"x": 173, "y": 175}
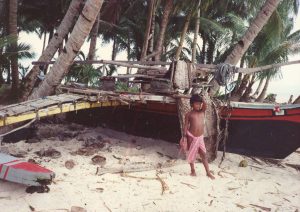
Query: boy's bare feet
{"x": 210, "y": 176}
{"x": 193, "y": 173}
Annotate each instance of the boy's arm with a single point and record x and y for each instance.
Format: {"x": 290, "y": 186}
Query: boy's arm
{"x": 186, "y": 125}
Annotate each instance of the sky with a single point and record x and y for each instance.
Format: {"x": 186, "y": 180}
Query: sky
{"x": 288, "y": 85}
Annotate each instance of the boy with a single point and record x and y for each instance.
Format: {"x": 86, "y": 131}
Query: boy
{"x": 193, "y": 134}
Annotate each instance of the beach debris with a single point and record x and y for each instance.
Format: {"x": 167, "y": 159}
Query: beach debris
{"x": 31, "y": 208}
{"x": 243, "y": 163}
{"x": 230, "y": 189}
{"x": 240, "y": 206}
{"x": 85, "y": 151}
{"x": 30, "y": 160}
{"x": 138, "y": 147}
{"x": 100, "y": 189}
{"x": 124, "y": 174}
{"x": 272, "y": 161}
{"x": 160, "y": 154}
{"x": 78, "y": 209}
{"x": 19, "y": 154}
{"x": 164, "y": 186}
{"x": 295, "y": 166}
{"x": 37, "y": 189}
{"x": 261, "y": 207}
{"x": 189, "y": 185}
{"x": 51, "y": 152}
{"x": 69, "y": 164}
{"x": 6, "y": 198}
{"x": 107, "y": 207}
{"x": 116, "y": 157}
{"x": 32, "y": 140}
{"x": 210, "y": 203}
{"x": 99, "y": 160}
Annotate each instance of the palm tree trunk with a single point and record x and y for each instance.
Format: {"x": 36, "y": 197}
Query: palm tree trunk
{"x": 259, "y": 86}
{"x": 183, "y": 34}
{"x": 238, "y": 94}
{"x": 114, "y": 49}
{"x": 263, "y": 93}
{"x": 61, "y": 67}
{"x": 196, "y": 31}
{"x": 246, "y": 95}
{"x": 148, "y": 28}
{"x": 93, "y": 43}
{"x": 44, "y": 41}
{"x": 242, "y": 46}
{"x": 203, "y": 50}
{"x": 47, "y": 55}
{"x": 255, "y": 27}
{"x": 163, "y": 27}
{"x": 152, "y": 32}
{"x": 13, "y": 31}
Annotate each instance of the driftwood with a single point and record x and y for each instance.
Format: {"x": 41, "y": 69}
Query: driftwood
{"x": 261, "y": 207}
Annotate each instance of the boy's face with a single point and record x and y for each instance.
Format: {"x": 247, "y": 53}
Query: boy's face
{"x": 197, "y": 106}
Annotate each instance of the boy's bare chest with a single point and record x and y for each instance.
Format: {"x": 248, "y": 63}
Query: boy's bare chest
{"x": 196, "y": 117}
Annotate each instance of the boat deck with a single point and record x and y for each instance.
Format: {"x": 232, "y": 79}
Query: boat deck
{"x": 74, "y": 99}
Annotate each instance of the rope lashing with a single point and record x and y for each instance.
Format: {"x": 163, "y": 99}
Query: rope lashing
{"x": 225, "y": 73}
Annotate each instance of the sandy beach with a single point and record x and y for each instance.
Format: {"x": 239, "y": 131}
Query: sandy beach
{"x": 143, "y": 174}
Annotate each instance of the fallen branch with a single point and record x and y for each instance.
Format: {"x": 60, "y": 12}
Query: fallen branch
{"x": 136, "y": 177}
{"x": 261, "y": 207}
{"x": 107, "y": 207}
{"x": 189, "y": 185}
{"x": 164, "y": 186}
{"x": 295, "y": 166}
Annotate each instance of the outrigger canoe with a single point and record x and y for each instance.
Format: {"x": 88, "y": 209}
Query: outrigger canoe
{"x": 260, "y": 129}
{"x": 14, "y": 170}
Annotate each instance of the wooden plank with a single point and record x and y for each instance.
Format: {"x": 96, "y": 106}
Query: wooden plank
{"x": 38, "y": 104}
{"x": 67, "y": 107}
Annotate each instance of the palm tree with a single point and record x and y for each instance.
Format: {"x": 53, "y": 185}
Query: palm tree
{"x": 163, "y": 26}
{"x": 241, "y": 47}
{"x": 13, "y": 31}
{"x": 48, "y": 53}
{"x": 61, "y": 67}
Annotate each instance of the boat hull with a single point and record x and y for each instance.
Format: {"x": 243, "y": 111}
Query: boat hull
{"x": 262, "y": 130}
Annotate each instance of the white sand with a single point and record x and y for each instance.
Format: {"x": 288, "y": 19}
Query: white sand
{"x": 234, "y": 189}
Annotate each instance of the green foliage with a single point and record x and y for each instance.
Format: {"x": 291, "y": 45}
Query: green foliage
{"x": 85, "y": 74}
{"x": 123, "y": 87}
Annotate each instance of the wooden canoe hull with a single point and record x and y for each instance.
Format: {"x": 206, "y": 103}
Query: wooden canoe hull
{"x": 264, "y": 130}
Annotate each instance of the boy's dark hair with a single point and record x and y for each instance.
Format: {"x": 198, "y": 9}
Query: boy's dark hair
{"x": 196, "y": 98}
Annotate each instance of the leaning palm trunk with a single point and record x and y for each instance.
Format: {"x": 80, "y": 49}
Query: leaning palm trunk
{"x": 238, "y": 94}
{"x": 259, "y": 86}
{"x": 263, "y": 93}
{"x": 61, "y": 67}
{"x": 93, "y": 43}
{"x": 183, "y": 34}
{"x": 164, "y": 23}
{"x": 242, "y": 46}
{"x": 13, "y": 31}
{"x": 63, "y": 29}
{"x": 246, "y": 95}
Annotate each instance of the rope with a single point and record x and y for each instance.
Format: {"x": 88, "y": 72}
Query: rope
{"x": 224, "y": 74}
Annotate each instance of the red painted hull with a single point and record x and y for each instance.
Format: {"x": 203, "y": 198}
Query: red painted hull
{"x": 262, "y": 129}
{"x": 14, "y": 170}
